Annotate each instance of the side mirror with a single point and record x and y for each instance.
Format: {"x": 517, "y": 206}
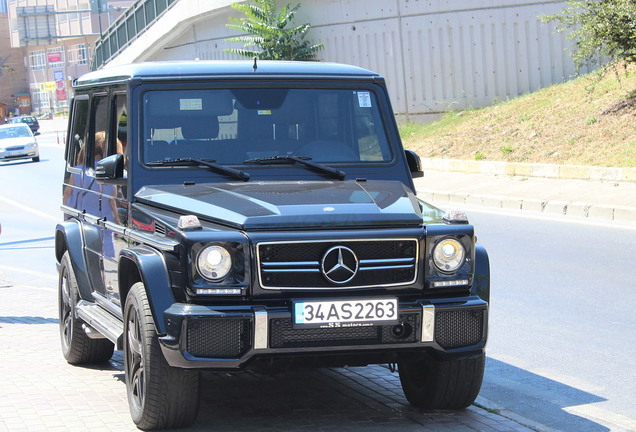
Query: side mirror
{"x": 36, "y": 133}
{"x": 415, "y": 163}
{"x": 110, "y": 168}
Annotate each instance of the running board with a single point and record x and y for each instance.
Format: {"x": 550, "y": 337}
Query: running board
{"x": 98, "y": 319}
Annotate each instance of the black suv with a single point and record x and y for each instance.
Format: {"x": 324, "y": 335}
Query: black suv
{"x": 230, "y": 215}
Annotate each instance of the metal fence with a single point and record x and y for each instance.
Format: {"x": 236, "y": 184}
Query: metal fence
{"x": 136, "y": 20}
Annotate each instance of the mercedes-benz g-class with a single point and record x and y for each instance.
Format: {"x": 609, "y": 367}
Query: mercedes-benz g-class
{"x": 231, "y": 215}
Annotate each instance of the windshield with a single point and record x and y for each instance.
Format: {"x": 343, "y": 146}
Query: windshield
{"x": 15, "y": 132}
{"x": 233, "y": 126}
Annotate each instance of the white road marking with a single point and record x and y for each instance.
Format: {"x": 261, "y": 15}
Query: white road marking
{"x": 51, "y": 276}
{"x": 29, "y": 209}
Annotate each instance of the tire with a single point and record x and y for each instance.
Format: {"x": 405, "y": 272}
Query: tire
{"x": 442, "y": 384}
{"x": 159, "y": 396}
{"x": 36, "y": 159}
{"x": 77, "y": 347}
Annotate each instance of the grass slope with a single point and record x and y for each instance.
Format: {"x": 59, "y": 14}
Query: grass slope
{"x": 562, "y": 124}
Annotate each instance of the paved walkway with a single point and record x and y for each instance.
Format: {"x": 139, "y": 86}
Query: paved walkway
{"x": 604, "y": 200}
{"x": 41, "y": 392}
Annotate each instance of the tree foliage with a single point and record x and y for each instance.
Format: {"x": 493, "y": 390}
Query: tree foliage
{"x": 600, "y": 29}
{"x": 268, "y": 37}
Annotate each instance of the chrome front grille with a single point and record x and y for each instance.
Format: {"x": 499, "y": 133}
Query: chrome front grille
{"x": 302, "y": 265}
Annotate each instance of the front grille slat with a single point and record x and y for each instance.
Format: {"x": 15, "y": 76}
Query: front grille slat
{"x": 382, "y": 262}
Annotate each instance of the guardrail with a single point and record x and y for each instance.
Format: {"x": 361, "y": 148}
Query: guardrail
{"x": 125, "y": 29}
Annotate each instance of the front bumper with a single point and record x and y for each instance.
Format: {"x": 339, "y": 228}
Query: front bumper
{"x": 19, "y": 154}
{"x": 229, "y": 337}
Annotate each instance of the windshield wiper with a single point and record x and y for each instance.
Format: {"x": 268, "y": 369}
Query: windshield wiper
{"x": 333, "y": 172}
{"x": 209, "y": 163}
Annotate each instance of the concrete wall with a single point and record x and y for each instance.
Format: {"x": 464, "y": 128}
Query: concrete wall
{"x": 436, "y": 55}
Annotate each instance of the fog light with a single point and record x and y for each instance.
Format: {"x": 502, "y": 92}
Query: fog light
{"x": 218, "y": 291}
{"x": 450, "y": 283}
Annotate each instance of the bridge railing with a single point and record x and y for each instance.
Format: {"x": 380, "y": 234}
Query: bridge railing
{"x": 123, "y": 31}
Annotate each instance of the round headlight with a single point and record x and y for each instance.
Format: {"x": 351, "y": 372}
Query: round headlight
{"x": 214, "y": 263}
{"x": 449, "y": 255}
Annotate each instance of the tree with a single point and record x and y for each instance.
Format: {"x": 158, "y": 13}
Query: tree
{"x": 267, "y": 36}
{"x": 600, "y": 28}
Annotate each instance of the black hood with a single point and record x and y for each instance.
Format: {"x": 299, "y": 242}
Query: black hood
{"x": 291, "y": 204}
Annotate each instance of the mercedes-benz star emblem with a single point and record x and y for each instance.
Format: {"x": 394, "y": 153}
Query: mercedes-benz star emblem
{"x": 339, "y": 265}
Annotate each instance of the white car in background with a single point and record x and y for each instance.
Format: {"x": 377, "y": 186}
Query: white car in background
{"x": 17, "y": 142}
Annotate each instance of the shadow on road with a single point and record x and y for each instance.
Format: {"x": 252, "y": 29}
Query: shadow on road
{"x": 22, "y": 242}
{"x": 27, "y": 320}
{"x": 537, "y": 398}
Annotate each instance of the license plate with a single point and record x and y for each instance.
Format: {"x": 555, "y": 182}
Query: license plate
{"x": 15, "y": 153}
{"x": 345, "y": 313}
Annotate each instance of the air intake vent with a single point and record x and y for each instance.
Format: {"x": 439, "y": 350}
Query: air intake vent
{"x": 160, "y": 229}
{"x": 218, "y": 338}
{"x": 459, "y": 328}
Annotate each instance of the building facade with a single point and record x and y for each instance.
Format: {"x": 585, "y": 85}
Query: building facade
{"x": 14, "y": 95}
{"x": 57, "y": 38}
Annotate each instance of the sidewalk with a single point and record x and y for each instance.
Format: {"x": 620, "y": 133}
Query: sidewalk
{"x": 604, "y": 200}
{"x": 55, "y": 125}
{"x": 41, "y": 392}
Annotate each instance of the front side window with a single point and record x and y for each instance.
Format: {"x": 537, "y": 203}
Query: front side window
{"x": 98, "y": 140}
{"x": 76, "y": 146}
{"x": 232, "y": 126}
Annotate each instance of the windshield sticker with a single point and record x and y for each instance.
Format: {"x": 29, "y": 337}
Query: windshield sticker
{"x": 364, "y": 99}
{"x": 190, "y": 104}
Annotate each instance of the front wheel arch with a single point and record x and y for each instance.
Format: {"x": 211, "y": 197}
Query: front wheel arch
{"x": 146, "y": 265}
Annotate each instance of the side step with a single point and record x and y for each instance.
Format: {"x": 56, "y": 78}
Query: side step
{"x": 98, "y": 319}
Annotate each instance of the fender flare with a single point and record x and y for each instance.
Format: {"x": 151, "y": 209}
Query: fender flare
{"x": 153, "y": 272}
{"x": 481, "y": 280}
{"x": 69, "y": 238}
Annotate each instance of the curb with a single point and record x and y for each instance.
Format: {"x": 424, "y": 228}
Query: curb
{"x": 552, "y": 208}
{"x": 492, "y": 407}
{"x": 579, "y": 172}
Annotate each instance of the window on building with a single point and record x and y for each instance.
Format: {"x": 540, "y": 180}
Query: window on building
{"x": 41, "y": 101}
{"x": 77, "y": 54}
{"x": 37, "y": 60}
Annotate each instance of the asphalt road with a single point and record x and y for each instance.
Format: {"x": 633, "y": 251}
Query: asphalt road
{"x": 562, "y": 339}
{"x": 562, "y": 333}
{"x": 30, "y": 199}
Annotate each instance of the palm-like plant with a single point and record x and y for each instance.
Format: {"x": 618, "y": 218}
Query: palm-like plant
{"x": 267, "y": 37}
